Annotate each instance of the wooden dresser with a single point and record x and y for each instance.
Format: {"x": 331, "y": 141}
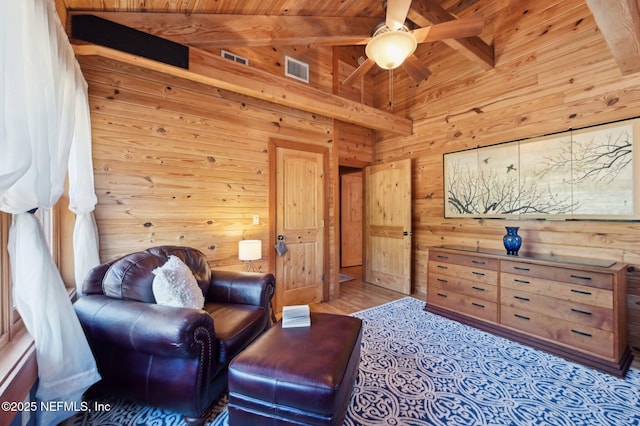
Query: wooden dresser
{"x": 571, "y": 307}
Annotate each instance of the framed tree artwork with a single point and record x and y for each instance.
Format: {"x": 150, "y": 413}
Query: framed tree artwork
{"x": 585, "y": 173}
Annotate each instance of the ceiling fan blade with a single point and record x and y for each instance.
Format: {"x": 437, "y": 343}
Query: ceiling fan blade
{"x": 416, "y": 69}
{"x": 397, "y": 13}
{"x": 359, "y": 72}
{"x": 468, "y": 26}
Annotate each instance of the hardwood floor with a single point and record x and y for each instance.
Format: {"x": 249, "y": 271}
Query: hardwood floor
{"x": 356, "y": 295}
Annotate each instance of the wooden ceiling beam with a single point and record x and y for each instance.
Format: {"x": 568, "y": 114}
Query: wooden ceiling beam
{"x": 619, "y": 22}
{"x": 428, "y": 12}
{"x": 220, "y": 31}
{"x": 215, "y": 71}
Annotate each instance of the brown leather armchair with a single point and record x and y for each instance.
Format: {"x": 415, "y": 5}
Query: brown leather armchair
{"x": 169, "y": 357}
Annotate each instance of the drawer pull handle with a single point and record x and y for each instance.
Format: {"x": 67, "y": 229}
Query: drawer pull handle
{"x": 478, "y": 288}
{"x": 520, "y": 268}
{"x": 478, "y": 262}
{"x": 524, "y": 299}
{"x": 588, "y": 293}
{"x": 521, "y": 317}
{"x": 477, "y": 304}
{"x": 441, "y": 294}
{"x": 442, "y": 256}
{"x": 443, "y": 267}
{"x": 580, "y": 311}
{"x": 442, "y": 280}
{"x": 481, "y": 274}
{"x": 522, "y": 281}
{"x": 581, "y": 333}
{"x": 579, "y": 277}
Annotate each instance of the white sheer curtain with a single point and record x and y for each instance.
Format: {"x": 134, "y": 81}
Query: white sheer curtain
{"x": 45, "y": 135}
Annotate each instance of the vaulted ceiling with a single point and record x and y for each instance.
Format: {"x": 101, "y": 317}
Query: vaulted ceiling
{"x": 206, "y": 25}
{"x": 223, "y": 24}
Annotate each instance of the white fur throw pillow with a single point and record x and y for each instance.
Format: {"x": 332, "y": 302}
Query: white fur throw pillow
{"x": 175, "y": 285}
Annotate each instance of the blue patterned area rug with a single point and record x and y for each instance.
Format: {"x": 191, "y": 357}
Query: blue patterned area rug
{"x": 418, "y": 368}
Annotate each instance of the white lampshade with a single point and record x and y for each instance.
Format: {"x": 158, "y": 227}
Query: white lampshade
{"x": 389, "y": 48}
{"x": 250, "y": 249}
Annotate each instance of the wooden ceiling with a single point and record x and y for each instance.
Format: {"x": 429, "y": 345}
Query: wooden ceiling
{"x": 207, "y": 24}
{"x": 618, "y": 19}
{"x": 225, "y": 24}
{"x": 363, "y": 8}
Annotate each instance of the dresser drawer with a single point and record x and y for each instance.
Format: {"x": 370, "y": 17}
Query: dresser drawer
{"x": 559, "y": 290}
{"x": 482, "y": 291}
{"x": 580, "y": 336}
{"x": 570, "y": 307}
{"x": 464, "y": 260}
{"x": 462, "y": 304}
{"x": 573, "y": 276}
{"x": 464, "y": 272}
{"x": 564, "y": 310}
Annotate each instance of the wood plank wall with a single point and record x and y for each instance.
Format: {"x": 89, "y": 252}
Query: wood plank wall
{"x": 553, "y": 71}
{"x": 272, "y": 60}
{"x": 355, "y": 143}
{"x": 178, "y": 162}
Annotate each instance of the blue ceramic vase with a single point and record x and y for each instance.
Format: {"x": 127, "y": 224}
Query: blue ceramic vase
{"x": 512, "y": 241}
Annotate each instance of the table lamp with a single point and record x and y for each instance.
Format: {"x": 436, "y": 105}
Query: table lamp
{"x": 250, "y": 250}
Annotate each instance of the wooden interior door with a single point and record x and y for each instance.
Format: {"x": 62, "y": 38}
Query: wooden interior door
{"x": 351, "y": 219}
{"x": 300, "y": 207}
{"x": 387, "y": 225}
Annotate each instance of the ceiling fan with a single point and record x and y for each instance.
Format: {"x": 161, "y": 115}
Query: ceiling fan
{"x": 393, "y": 44}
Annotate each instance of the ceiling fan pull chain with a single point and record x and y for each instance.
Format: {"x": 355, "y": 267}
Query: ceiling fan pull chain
{"x": 390, "y": 90}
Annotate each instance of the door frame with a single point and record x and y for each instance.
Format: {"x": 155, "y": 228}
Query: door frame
{"x": 346, "y": 170}
{"x": 273, "y": 203}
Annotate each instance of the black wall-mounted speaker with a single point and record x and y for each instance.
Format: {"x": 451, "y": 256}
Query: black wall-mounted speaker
{"x": 110, "y": 34}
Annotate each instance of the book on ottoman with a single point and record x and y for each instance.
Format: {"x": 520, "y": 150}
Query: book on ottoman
{"x": 295, "y": 316}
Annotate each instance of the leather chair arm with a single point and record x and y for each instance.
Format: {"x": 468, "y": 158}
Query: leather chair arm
{"x": 93, "y": 281}
{"x": 145, "y": 327}
{"x": 248, "y": 288}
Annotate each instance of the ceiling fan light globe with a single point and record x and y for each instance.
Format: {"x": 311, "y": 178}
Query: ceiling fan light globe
{"x": 390, "y": 49}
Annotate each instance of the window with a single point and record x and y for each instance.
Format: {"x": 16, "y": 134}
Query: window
{"x": 18, "y": 365}
{"x": 9, "y": 319}
{"x": 10, "y": 322}
{"x": 45, "y": 216}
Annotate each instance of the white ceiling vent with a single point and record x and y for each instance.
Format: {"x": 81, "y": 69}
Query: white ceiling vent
{"x": 235, "y": 58}
{"x": 296, "y": 69}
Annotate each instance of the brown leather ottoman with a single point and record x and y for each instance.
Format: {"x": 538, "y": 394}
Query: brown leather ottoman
{"x": 297, "y": 376}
